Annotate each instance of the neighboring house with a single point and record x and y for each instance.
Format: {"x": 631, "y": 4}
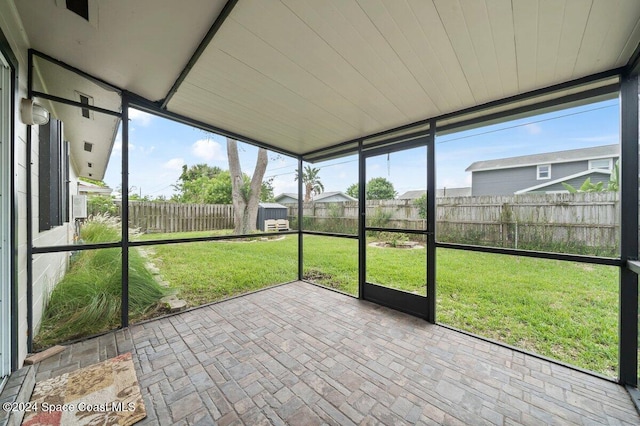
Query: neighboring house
{"x": 412, "y": 195}
{"x": 287, "y": 198}
{"x": 325, "y": 197}
{"x": 543, "y": 172}
{"x": 442, "y": 192}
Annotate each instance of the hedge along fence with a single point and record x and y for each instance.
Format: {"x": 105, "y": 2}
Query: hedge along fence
{"x": 578, "y": 223}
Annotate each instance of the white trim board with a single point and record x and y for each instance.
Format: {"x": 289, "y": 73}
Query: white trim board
{"x": 5, "y": 212}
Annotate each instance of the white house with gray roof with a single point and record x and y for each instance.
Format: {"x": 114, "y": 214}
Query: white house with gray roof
{"x": 543, "y": 172}
{"x": 325, "y": 197}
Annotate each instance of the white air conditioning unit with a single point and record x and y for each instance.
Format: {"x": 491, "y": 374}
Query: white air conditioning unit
{"x": 79, "y": 206}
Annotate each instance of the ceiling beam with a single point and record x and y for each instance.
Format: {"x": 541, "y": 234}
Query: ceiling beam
{"x": 100, "y": 82}
{"x": 226, "y": 11}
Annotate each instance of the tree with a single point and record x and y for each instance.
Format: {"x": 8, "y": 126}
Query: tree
{"x": 266, "y": 192}
{"x": 588, "y": 186}
{"x": 191, "y": 174}
{"x": 380, "y": 189}
{"x": 376, "y": 189}
{"x": 311, "y": 182}
{"x": 421, "y": 204}
{"x": 198, "y": 170}
{"x": 245, "y": 197}
{"x": 206, "y": 190}
{"x": 353, "y": 191}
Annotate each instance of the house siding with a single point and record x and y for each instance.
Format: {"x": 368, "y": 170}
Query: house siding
{"x": 576, "y": 182}
{"x": 286, "y": 199}
{"x": 508, "y": 181}
{"x": 47, "y": 268}
{"x": 333, "y": 199}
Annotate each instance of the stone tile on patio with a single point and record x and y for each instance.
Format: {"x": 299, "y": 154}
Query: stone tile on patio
{"x": 301, "y": 354}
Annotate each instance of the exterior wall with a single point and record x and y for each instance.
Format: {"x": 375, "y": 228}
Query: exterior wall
{"x": 576, "y": 182}
{"x": 51, "y": 266}
{"x": 333, "y": 199}
{"x": 12, "y": 31}
{"x": 508, "y": 181}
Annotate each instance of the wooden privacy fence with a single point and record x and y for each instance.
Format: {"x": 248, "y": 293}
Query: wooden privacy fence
{"x": 556, "y": 222}
{"x": 178, "y": 217}
{"x": 529, "y": 221}
{"x": 532, "y": 221}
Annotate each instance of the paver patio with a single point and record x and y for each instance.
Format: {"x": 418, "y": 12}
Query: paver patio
{"x": 302, "y": 355}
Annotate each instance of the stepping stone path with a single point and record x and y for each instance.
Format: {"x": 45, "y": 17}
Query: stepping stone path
{"x": 171, "y": 301}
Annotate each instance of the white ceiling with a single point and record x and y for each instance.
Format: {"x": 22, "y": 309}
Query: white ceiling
{"x": 98, "y": 129}
{"x": 304, "y": 74}
{"x": 138, "y": 45}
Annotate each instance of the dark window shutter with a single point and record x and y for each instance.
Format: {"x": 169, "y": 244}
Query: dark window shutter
{"x": 53, "y": 168}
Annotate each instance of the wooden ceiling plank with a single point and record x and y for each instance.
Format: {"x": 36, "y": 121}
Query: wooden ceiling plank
{"x": 525, "y": 23}
{"x": 618, "y": 35}
{"x": 204, "y": 106}
{"x": 501, "y": 18}
{"x": 476, "y": 17}
{"x": 590, "y": 55}
{"x": 295, "y": 40}
{"x": 247, "y": 79}
{"x": 383, "y": 32}
{"x": 378, "y": 66}
{"x": 417, "y": 55}
{"x": 435, "y": 34}
{"x": 285, "y": 107}
{"x": 270, "y": 62}
{"x": 550, "y": 18}
{"x": 573, "y": 26}
{"x": 450, "y": 12}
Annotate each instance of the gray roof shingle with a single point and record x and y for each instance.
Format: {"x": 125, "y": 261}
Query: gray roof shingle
{"x": 547, "y": 158}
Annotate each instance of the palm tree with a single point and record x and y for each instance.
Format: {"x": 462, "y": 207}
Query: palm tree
{"x": 311, "y": 182}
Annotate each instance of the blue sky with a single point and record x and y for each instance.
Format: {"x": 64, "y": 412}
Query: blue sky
{"x": 159, "y": 148}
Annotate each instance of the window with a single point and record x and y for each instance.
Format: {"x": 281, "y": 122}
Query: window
{"x": 53, "y": 178}
{"x": 544, "y": 171}
{"x": 601, "y": 163}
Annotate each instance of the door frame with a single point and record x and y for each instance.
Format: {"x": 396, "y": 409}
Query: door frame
{"x": 6, "y": 252}
{"x": 413, "y": 304}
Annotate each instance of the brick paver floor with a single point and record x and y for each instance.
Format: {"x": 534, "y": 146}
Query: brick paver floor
{"x": 302, "y": 355}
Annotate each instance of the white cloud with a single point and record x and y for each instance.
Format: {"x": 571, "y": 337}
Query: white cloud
{"x": 174, "y": 164}
{"x": 208, "y": 150}
{"x": 284, "y": 185}
{"x": 139, "y": 117}
{"x": 147, "y": 151}
{"x": 117, "y": 147}
{"x": 533, "y": 129}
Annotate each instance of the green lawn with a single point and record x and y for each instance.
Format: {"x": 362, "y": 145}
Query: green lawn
{"x": 212, "y": 270}
{"x": 564, "y": 310}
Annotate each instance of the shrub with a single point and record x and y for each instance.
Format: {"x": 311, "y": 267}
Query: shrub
{"x": 88, "y": 298}
{"x": 101, "y": 205}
